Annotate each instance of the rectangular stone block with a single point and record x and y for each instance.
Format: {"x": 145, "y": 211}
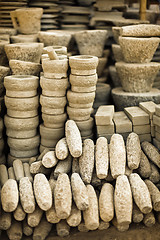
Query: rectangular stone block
{"x": 153, "y": 131}
{"x": 145, "y": 137}
{"x": 156, "y": 120}
{"x": 142, "y": 129}
{"x": 122, "y": 122}
{"x": 137, "y": 115}
{"x": 157, "y": 128}
{"x": 156, "y": 143}
{"x": 104, "y": 115}
{"x": 106, "y": 129}
{"x": 149, "y": 107}
{"x": 157, "y": 136}
{"x": 157, "y": 110}
{"x": 107, "y": 136}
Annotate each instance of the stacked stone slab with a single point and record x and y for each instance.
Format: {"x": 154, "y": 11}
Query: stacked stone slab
{"x": 156, "y": 122}
{"x": 83, "y": 79}
{"x": 104, "y": 121}
{"x": 54, "y": 83}
{"x": 2, "y": 156}
{"x": 138, "y": 44}
{"x": 140, "y": 121}
{"x": 22, "y": 119}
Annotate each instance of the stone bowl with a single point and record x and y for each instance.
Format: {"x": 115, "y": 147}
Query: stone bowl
{"x": 138, "y": 50}
{"x": 19, "y": 67}
{"x": 80, "y": 98}
{"x": 114, "y": 76}
{"x": 136, "y": 77}
{"x": 83, "y": 64}
{"x": 20, "y": 86}
{"x": 117, "y": 52}
{"x": 61, "y": 38}
{"x": 57, "y": 121}
{"x": 140, "y": 30}
{"x": 21, "y": 38}
{"x": 53, "y": 102}
{"x": 62, "y": 50}
{"x": 51, "y": 134}
{"x": 4, "y": 71}
{"x": 29, "y": 52}
{"x": 79, "y": 114}
{"x": 24, "y": 144}
{"x": 91, "y": 42}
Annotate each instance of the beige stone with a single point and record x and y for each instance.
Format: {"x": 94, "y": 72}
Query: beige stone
{"x": 23, "y": 154}
{"x": 54, "y": 121}
{"x": 144, "y": 166}
{"x": 145, "y": 137}
{"x": 101, "y": 65}
{"x": 142, "y": 129}
{"x": 102, "y": 157}
{"x": 149, "y": 219}
{"x": 27, "y": 173}
{"x": 62, "y": 228}
{"x": 117, "y": 52}
{"x": 19, "y": 214}
{"x": 49, "y": 160}
{"x": 103, "y": 225}
{"x": 15, "y": 231}
{"x": 142, "y": 30}
{"x": 79, "y": 114}
{"x": 21, "y": 38}
{"x": 82, "y": 227}
{"x": 3, "y": 174}
{"x": 83, "y": 65}
{"x": 157, "y": 110}
{"x": 52, "y": 111}
{"x": 106, "y": 129}
{"x": 5, "y": 220}
{"x": 140, "y": 193}
{"x": 33, "y": 219}
{"x": 57, "y": 49}
{"x": 122, "y": 122}
{"x": 148, "y": 107}
{"x": 63, "y": 196}
{"x": 75, "y": 218}
{"x": 51, "y": 215}
{"x": 27, "y": 230}
{"x": 137, "y": 115}
{"x": 50, "y": 133}
{"x": 80, "y": 98}
{"x": 91, "y": 215}
{"x": 9, "y": 196}
{"x": 155, "y": 194}
{"x": 116, "y": 33}
{"x": 137, "y": 77}
{"x": 79, "y": 191}
{"x": 48, "y": 143}
{"x": 86, "y": 161}
{"x": 42, "y": 230}
{"x": 29, "y": 52}
{"x": 61, "y": 149}
{"x": 137, "y": 215}
{"x": 138, "y": 50}
{"x": 156, "y": 120}
{"x": 73, "y": 138}
{"x": 42, "y": 191}
{"x": 4, "y": 71}
{"x": 154, "y": 176}
{"x": 156, "y": 143}
{"x": 157, "y": 135}
{"x": 123, "y": 200}
{"x": 19, "y": 67}
{"x": 63, "y": 166}
{"x": 53, "y": 102}
{"x": 22, "y": 114}
{"x": 117, "y": 153}
{"x": 106, "y": 202}
{"x": 24, "y": 144}
{"x": 104, "y": 115}
{"x": 18, "y": 169}
{"x": 21, "y": 134}
{"x": 151, "y": 152}
{"x": 11, "y": 174}
{"x": 75, "y": 166}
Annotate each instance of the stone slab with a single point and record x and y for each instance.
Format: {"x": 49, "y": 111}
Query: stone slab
{"x": 149, "y": 107}
{"x": 156, "y": 143}
{"x": 137, "y": 115}
{"x": 122, "y": 122}
{"x": 157, "y": 110}
{"x": 156, "y": 120}
{"x": 145, "y": 137}
{"x": 104, "y": 115}
{"x": 157, "y": 135}
{"x": 157, "y": 128}
{"x": 106, "y": 129}
{"x": 142, "y": 129}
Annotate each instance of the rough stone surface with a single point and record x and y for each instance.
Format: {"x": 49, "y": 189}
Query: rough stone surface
{"x": 102, "y": 157}
{"x": 42, "y": 230}
{"x": 142, "y": 30}
{"x": 117, "y": 52}
{"x": 63, "y": 166}
{"x": 62, "y": 228}
{"x": 106, "y": 202}
{"x": 51, "y": 215}
{"x": 75, "y": 218}
{"x": 146, "y": 129}
{"x": 123, "y": 200}
{"x": 81, "y": 83}
{"x": 54, "y": 120}
{"x": 79, "y": 191}
{"x": 137, "y": 215}
{"x": 149, "y": 219}
{"x": 154, "y": 176}
{"x": 122, "y": 122}
{"x": 137, "y": 115}
{"x": 62, "y": 149}
{"x": 24, "y": 144}
{"x": 5, "y": 220}
{"x": 19, "y": 214}
{"x": 155, "y": 194}
{"x": 86, "y": 161}
{"x": 140, "y": 193}
{"x": 91, "y": 215}
{"x": 79, "y": 114}
{"x": 144, "y": 169}
{"x": 3, "y": 174}
{"x": 42, "y": 191}
{"x": 49, "y": 160}
{"x": 63, "y": 196}
{"x": 104, "y": 115}
{"x": 148, "y": 107}
{"x": 18, "y": 169}
{"x": 19, "y": 67}
{"x": 15, "y": 231}
{"x": 117, "y": 153}
{"x": 152, "y": 153}
{"x": 33, "y": 219}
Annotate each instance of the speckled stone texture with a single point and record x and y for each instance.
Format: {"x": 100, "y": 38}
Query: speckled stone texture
{"x": 137, "y": 77}
{"x": 10, "y": 196}
{"x": 19, "y": 67}
{"x": 15, "y": 231}
{"x": 75, "y": 218}
{"x": 79, "y": 191}
{"x": 63, "y": 196}
{"x": 137, "y": 215}
{"x": 54, "y": 121}
{"x": 42, "y": 191}
{"x": 154, "y": 176}
{"x": 83, "y": 83}
{"x": 29, "y": 52}
{"x": 106, "y": 202}
{"x": 91, "y": 215}
{"x": 102, "y": 157}
{"x": 86, "y": 161}
{"x": 5, "y": 220}
{"x": 138, "y": 50}
{"x": 73, "y": 138}
{"x": 123, "y": 200}
{"x": 19, "y": 214}
{"x": 149, "y": 219}
{"x": 62, "y": 228}
{"x": 49, "y": 160}
{"x": 117, "y": 153}
{"x": 33, "y": 219}
{"x": 144, "y": 168}
{"x": 51, "y": 215}
{"x": 141, "y": 30}
{"x": 155, "y": 194}
{"x": 133, "y": 149}
{"x": 61, "y": 149}
{"x": 18, "y": 169}
{"x": 124, "y": 99}
{"x": 140, "y": 193}
{"x": 152, "y": 153}
{"x": 42, "y": 230}
{"x": 117, "y": 52}
{"x": 63, "y": 166}
{"x": 91, "y": 42}
{"x": 4, "y": 71}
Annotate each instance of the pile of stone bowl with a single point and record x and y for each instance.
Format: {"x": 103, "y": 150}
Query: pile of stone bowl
{"x": 138, "y": 44}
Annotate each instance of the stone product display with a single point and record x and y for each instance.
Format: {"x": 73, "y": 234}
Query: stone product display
{"x": 22, "y": 119}
{"x": 141, "y": 122}
{"x": 104, "y": 121}
{"x": 82, "y": 93}
{"x": 100, "y": 204}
